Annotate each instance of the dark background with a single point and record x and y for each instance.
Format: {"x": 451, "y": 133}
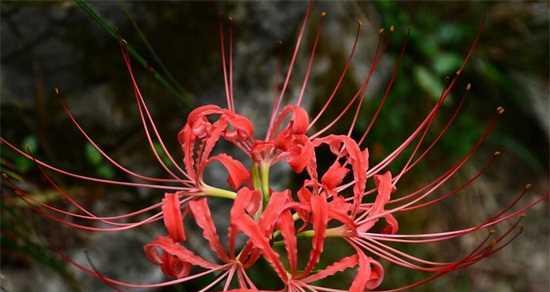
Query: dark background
{"x": 56, "y": 44}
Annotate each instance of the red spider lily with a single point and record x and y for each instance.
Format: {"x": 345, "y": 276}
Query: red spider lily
{"x": 329, "y": 204}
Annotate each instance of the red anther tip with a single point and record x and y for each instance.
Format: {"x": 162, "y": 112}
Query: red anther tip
{"x": 500, "y": 110}
{"x": 469, "y": 86}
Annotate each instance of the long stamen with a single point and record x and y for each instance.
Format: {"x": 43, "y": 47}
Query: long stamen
{"x": 429, "y": 118}
{"x": 358, "y": 95}
{"x": 106, "y": 156}
{"x": 340, "y": 78}
{"x": 387, "y": 92}
{"x": 87, "y": 178}
{"x": 232, "y": 99}
{"x": 279, "y": 99}
{"x": 224, "y": 67}
{"x": 142, "y": 108}
{"x": 377, "y": 56}
{"x": 310, "y": 61}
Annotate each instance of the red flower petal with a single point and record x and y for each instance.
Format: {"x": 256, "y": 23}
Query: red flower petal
{"x": 355, "y": 157}
{"x": 173, "y": 266}
{"x": 339, "y": 266}
{"x": 299, "y": 121}
{"x": 319, "y": 214}
{"x": 257, "y": 236}
{"x": 245, "y": 198}
{"x": 271, "y": 214}
{"x": 202, "y": 111}
{"x": 241, "y": 124}
{"x": 203, "y": 217}
{"x": 334, "y": 176}
{"x": 369, "y": 275}
{"x": 172, "y": 216}
{"x": 238, "y": 174}
{"x": 385, "y": 187}
{"x": 173, "y": 257}
{"x": 301, "y": 154}
{"x": 286, "y": 226}
{"x": 186, "y": 140}
{"x": 213, "y": 137}
{"x": 393, "y": 225}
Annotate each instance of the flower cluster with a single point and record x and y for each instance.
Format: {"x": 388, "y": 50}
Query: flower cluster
{"x": 333, "y": 203}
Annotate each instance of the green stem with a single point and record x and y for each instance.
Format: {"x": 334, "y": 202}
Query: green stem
{"x": 264, "y": 174}
{"x": 219, "y": 193}
{"x": 330, "y": 232}
{"x": 114, "y": 32}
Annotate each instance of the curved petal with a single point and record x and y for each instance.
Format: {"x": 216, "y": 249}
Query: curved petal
{"x": 340, "y": 144}
{"x": 299, "y": 122}
{"x": 288, "y": 231}
{"x": 173, "y": 220}
{"x": 245, "y": 198}
{"x": 173, "y": 266}
{"x": 238, "y": 174}
{"x": 334, "y": 176}
{"x": 202, "y": 111}
{"x": 274, "y": 208}
{"x": 393, "y": 225}
{"x": 301, "y": 154}
{"x": 369, "y": 275}
{"x": 252, "y": 229}
{"x": 241, "y": 124}
{"x": 173, "y": 257}
{"x": 319, "y": 214}
{"x": 203, "y": 217}
{"x": 384, "y": 187}
{"x": 339, "y": 266}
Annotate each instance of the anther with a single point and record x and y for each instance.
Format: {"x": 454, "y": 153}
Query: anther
{"x": 500, "y": 110}
{"x": 497, "y": 153}
{"x": 381, "y": 30}
{"x": 323, "y": 13}
{"x": 123, "y": 42}
{"x": 56, "y": 90}
{"x": 469, "y": 86}
{"x": 458, "y": 72}
{"x": 528, "y": 186}
{"x": 392, "y": 28}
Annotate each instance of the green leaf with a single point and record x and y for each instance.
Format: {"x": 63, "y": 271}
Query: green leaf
{"x": 115, "y": 33}
{"x": 30, "y": 144}
{"x": 445, "y": 63}
{"x": 428, "y": 81}
{"x": 105, "y": 171}
{"x": 92, "y": 155}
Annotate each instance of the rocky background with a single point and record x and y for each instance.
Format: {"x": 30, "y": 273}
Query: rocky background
{"x": 56, "y": 44}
